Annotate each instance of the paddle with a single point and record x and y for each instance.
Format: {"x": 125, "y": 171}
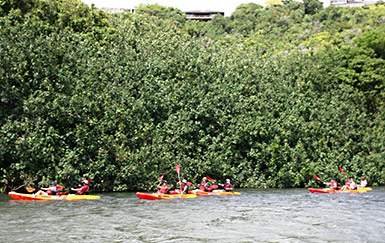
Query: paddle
{"x": 210, "y": 179}
{"x": 31, "y": 189}
{"x": 317, "y": 178}
{"x": 178, "y": 172}
{"x": 342, "y": 171}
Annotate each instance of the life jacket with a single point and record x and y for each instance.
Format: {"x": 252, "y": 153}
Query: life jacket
{"x": 84, "y": 189}
{"x": 333, "y": 185}
{"x": 227, "y": 187}
{"x": 52, "y": 190}
{"x": 184, "y": 187}
{"x": 204, "y": 187}
{"x": 213, "y": 187}
{"x": 164, "y": 190}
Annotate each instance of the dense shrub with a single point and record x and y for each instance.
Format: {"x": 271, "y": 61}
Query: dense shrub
{"x": 267, "y": 97}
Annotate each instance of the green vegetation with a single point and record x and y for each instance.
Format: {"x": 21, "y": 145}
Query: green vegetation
{"x": 266, "y": 97}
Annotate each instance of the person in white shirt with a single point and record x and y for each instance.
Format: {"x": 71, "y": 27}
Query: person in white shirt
{"x": 363, "y": 183}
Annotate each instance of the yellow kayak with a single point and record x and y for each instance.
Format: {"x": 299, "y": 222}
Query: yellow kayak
{"x": 226, "y": 193}
{"x": 155, "y": 196}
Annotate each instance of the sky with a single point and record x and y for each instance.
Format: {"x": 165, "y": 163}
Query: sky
{"x": 227, "y": 6}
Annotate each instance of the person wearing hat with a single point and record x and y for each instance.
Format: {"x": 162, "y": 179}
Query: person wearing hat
{"x": 204, "y": 186}
{"x": 227, "y": 186}
{"x": 163, "y": 187}
{"x": 49, "y": 190}
{"x": 83, "y": 189}
{"x": 363, "y": 182}
{"x": 184, "y": 187}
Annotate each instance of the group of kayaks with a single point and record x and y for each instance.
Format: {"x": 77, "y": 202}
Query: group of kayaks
{"x": 157, "y": 196}
{"x": 193, "y": 194}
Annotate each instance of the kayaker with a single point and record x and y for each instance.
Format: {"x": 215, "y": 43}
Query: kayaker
{"x": 363, "y": 182}
{"x": 333, "y": 184}
{"x": 349, "y": 185}
{"x": 82, "y": 190}
{"x": 184, "y": 187}
{"x": 227, "y": 186}
{"x": 204, "y": 186}
{"x": 352, "y": 184}
{"x": 48, "y": 191}
{"x": 163, "y": 189}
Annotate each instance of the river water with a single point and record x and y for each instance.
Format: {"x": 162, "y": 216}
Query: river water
{"x": 290, "y": 215}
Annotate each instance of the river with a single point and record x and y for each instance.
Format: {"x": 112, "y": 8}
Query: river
{"x": 290, "y": 215}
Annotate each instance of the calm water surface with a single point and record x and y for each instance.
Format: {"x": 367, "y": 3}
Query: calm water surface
{"x": 293, "y": 215}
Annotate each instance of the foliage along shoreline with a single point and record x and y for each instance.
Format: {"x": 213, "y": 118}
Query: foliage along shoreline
{"x": 266, "y": 97}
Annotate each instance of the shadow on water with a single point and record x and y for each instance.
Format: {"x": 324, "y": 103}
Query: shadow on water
{"x": 291, "y": 215}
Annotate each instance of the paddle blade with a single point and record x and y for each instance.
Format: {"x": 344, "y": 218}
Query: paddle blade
{"x": 89, "y": 180}
{"x": 30, "y": 189}
{"x": 178, "y": 169}
{"x": 60, "y": 188}
{"x": 316, "y": 177}
{"x": 209, "y": 178}
{"x": 342, "y": 171}
{"x": 161, "y": 177}
{"x": 189, "y": 183}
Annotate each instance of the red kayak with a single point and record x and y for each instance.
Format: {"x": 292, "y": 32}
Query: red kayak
{"x": 329, "y": 190}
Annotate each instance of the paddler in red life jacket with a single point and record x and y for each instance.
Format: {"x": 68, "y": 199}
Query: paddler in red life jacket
{"x": 48, "y": 191}
{"x": 333, "y": 184}
{"x": 184, "y": 186}
{"x": 82, "y": 190}
{"x": 163, "y": 189}
{"x": 227, "y": 186}
{"x": 204, "y": 186}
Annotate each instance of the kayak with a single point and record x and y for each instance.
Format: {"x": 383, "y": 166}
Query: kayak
{"x": 328, "y": 190}
{"x": 23, "y": 196}
{"x": 201, "y": 193}
{"x": 155, "y": 196}
{"x": 226, "y": 193}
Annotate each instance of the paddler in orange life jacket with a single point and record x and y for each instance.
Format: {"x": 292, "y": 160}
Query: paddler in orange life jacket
{"x": 332, "y": 184}
{"x": 48, "y": 191}
{"x": 163, "y": 189}
{"x": 82, "y": 190}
